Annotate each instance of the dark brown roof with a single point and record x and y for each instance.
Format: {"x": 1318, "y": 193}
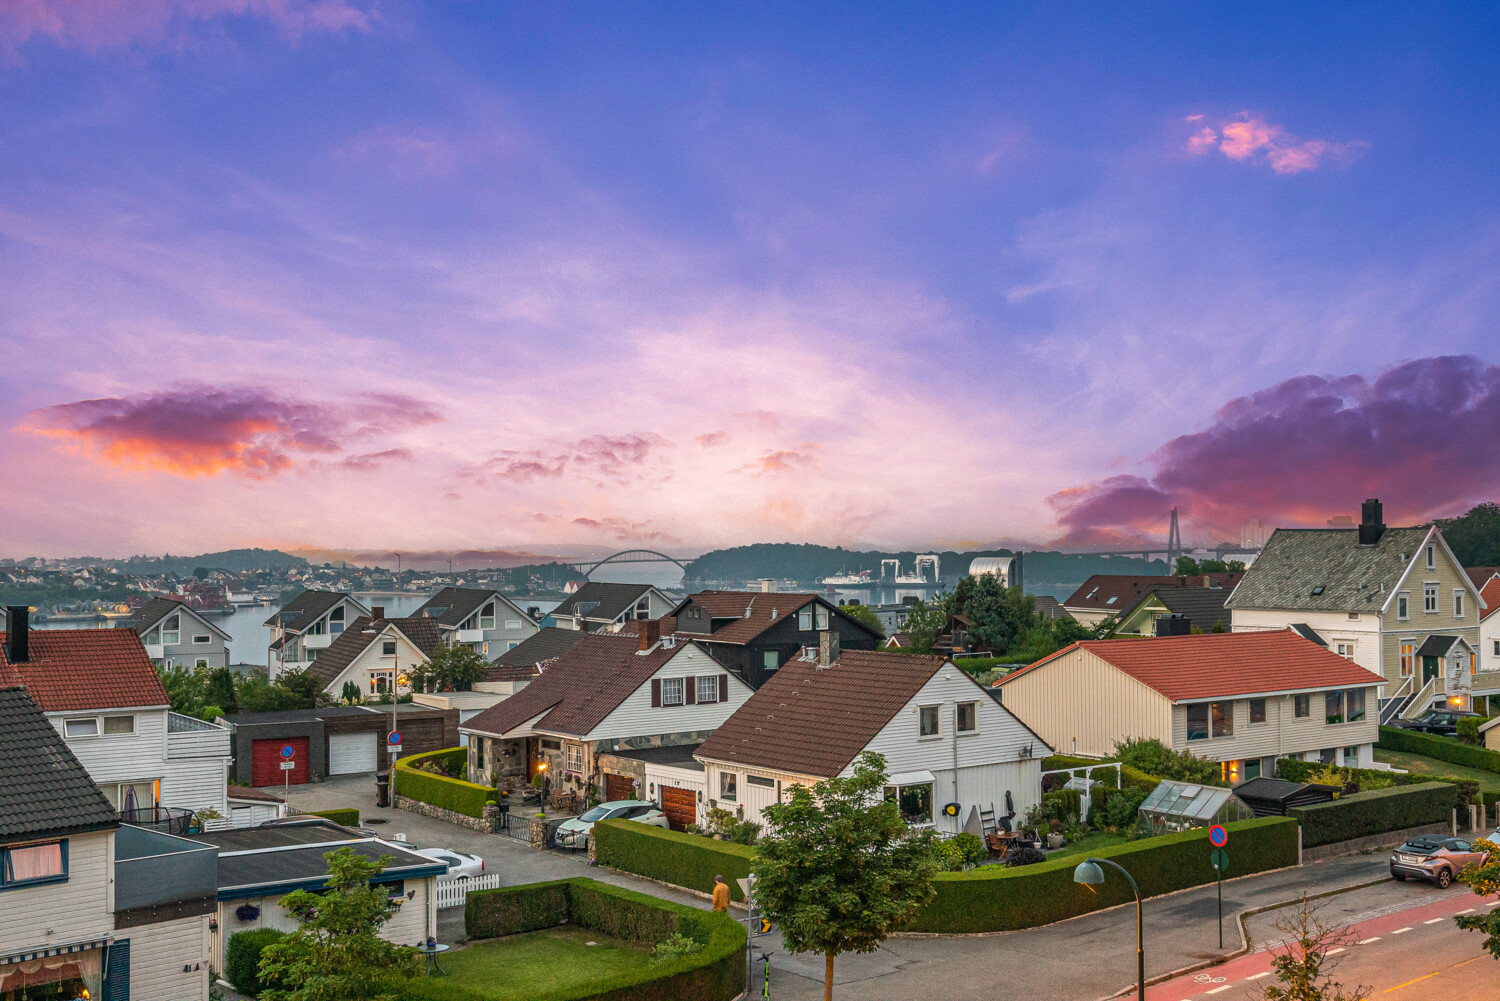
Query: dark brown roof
{"x": 305, "y": 609}
{"x": 751, "y": 612}
{"x": 85, "y": 669}
{"x": 601, "y": 600}
{"x": 811, "y": 721}
{"x": 43, "y": 788}
{"x": 1116, "y": 593}
{"x": 452, "y": 605}
{"x": 580, "y": 688}
{"x": 425, "y": 634}
{"x": 1481, "y": 575}
{"x": 520, "y": 662}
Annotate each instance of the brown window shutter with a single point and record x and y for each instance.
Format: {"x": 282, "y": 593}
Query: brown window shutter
{"x": 655, "y": 693}
{"x": 723, "y": 688}
{"x": 690, "y": 690}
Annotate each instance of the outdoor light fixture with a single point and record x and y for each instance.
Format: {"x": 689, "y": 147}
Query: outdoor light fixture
{"x": 1091, "y": 875}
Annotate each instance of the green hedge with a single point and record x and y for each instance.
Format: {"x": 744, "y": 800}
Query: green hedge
{"x": 715, "y": 972}
{"x": 242, "y": 958}
{"x": 1297, "y": 770}
{"x": 997, "y": 898}
{"x": 1375, "y": 812}
{"x": 467, "y": 798}
{"x": 1443, "y": 748}
{"x": 348, "y": 817}
{"x": 1130, "y": 777}
{"x": 688, "y": 860}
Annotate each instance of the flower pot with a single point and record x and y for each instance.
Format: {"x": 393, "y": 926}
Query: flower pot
{"x": 1054, "y": 841}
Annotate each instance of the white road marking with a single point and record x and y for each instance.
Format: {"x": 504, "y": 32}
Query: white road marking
{"x": 1369, "y": 940}
{"x": 1398, "y": 931}
{"x": 1257, "y": 976}
{"x": 1433, "y": 921}
{"x": 1492, "y": 903}
{"x": 1467, "y": 910}
{"x": 1334, "y": 952}
{"x": 1218, "y": 989}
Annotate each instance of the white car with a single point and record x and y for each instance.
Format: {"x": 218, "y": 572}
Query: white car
{"x": 574, "y": 833}
{"x": 460, "y": 866}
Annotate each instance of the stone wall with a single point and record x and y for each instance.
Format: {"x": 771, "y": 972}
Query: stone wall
{"x": 489, "y": 823}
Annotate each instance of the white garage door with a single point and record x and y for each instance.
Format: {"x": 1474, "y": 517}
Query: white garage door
{"x": 351, "y": 752}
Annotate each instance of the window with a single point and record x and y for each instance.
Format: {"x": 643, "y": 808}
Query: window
{"x": 171, "y": 630}
{"x": 968, "y": 717}
{"x": 769, "y": 660}
{"x": 1458, "y": 604}
{"x": 512, "y": 623}
{"x": 1354, "y": 703}
{"x": 914, "y": 801}
{"x": 388, "y": 648}
{"x": 671, "y": 691}
{"x": 1429, "y": 598}
{"x": 804, "y": 619}
{"x": 201, "y": 662}
{"x": 575, "y": 758}
{"x": 643, "y": 607}
{"x": 30, "y": 864}
{"x": 335, "y": 621}
{"x": 201, "y": 638}
{"x": 1197, "y": 721}
{"x": 729, "y": 786}
{"x": 1333, "y": 707}
{"x": 86, "y": 727}
{"x": 1473, "y": 664}
{"x": 1257, "y": 711}
{"x": 761, "y": 780}
{"x": 1301, "y": 706}
{"x": 1408, "y": 657}
{"x": 1252, "y": 769}
{"x": 1206, "y": 720}
{"x": 1222, "y": 714}
{"x": 551, "y": 745}
{"x": 1351, "y": 756}
{"x": 1353, "y": 616}
{"x": 119, "y": 724}
{"x": 487, "y": 616}
{"x": 1403, "y": 605}
{"x": 1497, "y": 648}
{"x": 1346, "y": 650}
{"x": 381, "y": 682}
{"x": 927, "y": 721}
{"x": 1327, "y": 755}
{"x": 1431, "y": 557}
{"x": 1319, "y": 589}
{"x": 820, "y": 617}
{"x": 708, "y": 688}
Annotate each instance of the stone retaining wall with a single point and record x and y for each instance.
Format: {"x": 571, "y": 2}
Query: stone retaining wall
{"x": 488, "y": 824}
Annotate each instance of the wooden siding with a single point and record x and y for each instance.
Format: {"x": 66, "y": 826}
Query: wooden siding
{"x": 635, "y": 716}
{"x": 114, "y": 758}
{"x": 413, "y": 922}
{"x": 1449, "y": 577}
{"x": 372, "y": 660}
{"x": 1080, "y": 704}
{"x": 169, "y": 961}
{"x": 1362, "y": 632}
{"x": 196, "y": 784}
{"x": 1282, "y": 733}
{"x": 58, "y": 913}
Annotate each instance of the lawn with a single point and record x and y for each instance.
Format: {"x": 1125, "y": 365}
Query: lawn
{"x": 1418, "y": 765}
{"x": 519, "y": 967}
{"x": 1088, "y": 844}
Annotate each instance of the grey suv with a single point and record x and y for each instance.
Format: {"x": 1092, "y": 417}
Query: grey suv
{"x": 1435, "y": 858}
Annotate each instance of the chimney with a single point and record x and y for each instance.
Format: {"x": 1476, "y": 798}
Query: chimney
{"x": 1371, "y": 522}
{"x": 828, "y": 647}
{"x": 18, "y": 634}
{"x": 377, "y": 612}
{"x": 650, "y": 633}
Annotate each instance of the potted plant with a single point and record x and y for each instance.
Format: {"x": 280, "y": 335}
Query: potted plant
{"x": 1055, "y": 834}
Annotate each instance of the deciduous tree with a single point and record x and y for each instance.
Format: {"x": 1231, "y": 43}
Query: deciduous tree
{"x": 1303, "y": 964}
{"x": 1485, "y": 881}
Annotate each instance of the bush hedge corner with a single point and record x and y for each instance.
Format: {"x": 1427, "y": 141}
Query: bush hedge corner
{"x": 346, "y": 817}
{"x": 1443, "y": 748}
{"x": 688, "y": 860}
{"x": 1375, "y": 812}
{"x": 467, "y": 798}
{"x": 242, "y": 958}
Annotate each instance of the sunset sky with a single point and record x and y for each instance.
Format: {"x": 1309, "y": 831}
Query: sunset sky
{"x": 377, "y": 273}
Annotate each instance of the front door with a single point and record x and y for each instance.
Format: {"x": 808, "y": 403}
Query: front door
{"x": 1429, "y": 669}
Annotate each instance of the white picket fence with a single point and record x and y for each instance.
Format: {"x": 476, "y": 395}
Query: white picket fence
{"x": 451, "y": 892}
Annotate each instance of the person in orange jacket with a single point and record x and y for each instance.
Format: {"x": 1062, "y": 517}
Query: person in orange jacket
{"x": 721, "y": 894}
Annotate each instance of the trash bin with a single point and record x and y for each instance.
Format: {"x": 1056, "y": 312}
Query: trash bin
{"x": 382, "y": 788}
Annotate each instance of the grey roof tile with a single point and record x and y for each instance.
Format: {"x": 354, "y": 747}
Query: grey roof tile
{"x": 1297, "y": 561}
{"x": 43, "y": 788}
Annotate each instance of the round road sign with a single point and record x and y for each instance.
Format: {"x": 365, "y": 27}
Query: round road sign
{"x": 1219, "y": 859}
{"x": 1218, "y": 836}
{"x": 394, "y": 739}
{"x": 287, "y": 750}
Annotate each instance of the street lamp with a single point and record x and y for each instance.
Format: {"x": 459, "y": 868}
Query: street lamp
{"x": 1089, "y": 874}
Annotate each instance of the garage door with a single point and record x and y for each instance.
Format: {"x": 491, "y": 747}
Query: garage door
{"x": 350, "y": 753}
{"x": 680, "y": 806}
{"x": 265, "y": 761}
{"x": 618, "y": 786}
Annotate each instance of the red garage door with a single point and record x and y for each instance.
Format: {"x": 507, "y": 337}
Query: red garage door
{"x": 680, "y": 806}
{"x": 266, "y": 759}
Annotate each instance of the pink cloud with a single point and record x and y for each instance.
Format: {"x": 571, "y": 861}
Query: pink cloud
{"x": 99, "y": 25}
{"x": 1250, "y": 138}
{"x": 622, "y": 530}
{"x": 197, "y": 431}
{"x": 411, "y": 149}
{"x": 805, "y": 454}
{"x": 712, "y": 438}
{"x": 618, "y": 458}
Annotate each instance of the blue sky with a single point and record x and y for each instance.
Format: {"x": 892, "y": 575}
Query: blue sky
{"x": 347, "y": 273}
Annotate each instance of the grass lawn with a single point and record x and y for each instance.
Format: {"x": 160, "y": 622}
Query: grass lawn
{"x": 1088, "y": 844}
{"x": 519, "y": 967}
{"x": 1418, "y": 765}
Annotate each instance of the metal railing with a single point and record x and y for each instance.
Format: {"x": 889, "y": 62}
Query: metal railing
{"x": 178, "y": 723}
{"x": 166, "y": 819}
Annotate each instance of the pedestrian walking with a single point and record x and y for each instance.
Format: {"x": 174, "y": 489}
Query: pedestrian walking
{"x": 721, "y": 894}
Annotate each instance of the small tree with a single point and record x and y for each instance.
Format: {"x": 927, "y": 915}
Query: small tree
{"x": 336, "y": 953}
{"x": 220, "y": 690}
{"x": 839, "y": 870}
{"x": 924, "y": 624}
{"x": 1485, "y": 881}
{"x": 350, "y": 695}
{"x": 1302, "y": 964}
{"x": 865, "y": 617}
{"x": 455, "y": 666}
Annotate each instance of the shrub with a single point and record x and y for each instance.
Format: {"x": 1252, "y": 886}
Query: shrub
{"x": 511, "y": 910}
{"x": 242, "y": 958}
{"x": 346, "y": 817}
{"x": 1468, "y": 730}
{"x": 681, "y": 859}
{"x": 1297, "y": 770}
{"x": 675, "y": 946}
{"x": 1151, "y": 756}
{"x": 453, "y": 794}
{"x": 972, "y": 847}
{"x": 1375, "y": 812}
{"x": 1025, "y": 855}
{"x": 1123, "y": 809}
{"x": 1062, "y": 804}
{"x": 1442, "y": 748}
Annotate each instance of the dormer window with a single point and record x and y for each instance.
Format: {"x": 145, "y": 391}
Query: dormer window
{"x": 487, "y": 616}
{"x": 336, "y": 620}
{"x": 171, "y": 630}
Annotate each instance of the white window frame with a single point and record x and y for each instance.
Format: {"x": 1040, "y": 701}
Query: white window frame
{"x": 387, "y": 643}
{"x": 168, "y": 630}
{"x": 710, "y": 693}
{"x": 667, "y": 687}
{"x": 512, "y": 623}
{"x": 1430, "y": 597}
{"x": 574, "y": 751}
{"x": 202, "y": 639}
{"x": 937, "y": 720}
{"x": 958, "y": 726}
{"x": 804, "y": 619}
{"x": 93, "y": 721}
{"x": 1345, "y": 650}
{"x": 1403, "y": 605}
{"x": 729, "y": 787}
{"x": 1458, "y": 603}
{"x": 1431, "y": 557}
{"x": 487, "y": 616}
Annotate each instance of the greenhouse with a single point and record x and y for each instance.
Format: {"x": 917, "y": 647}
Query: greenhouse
{"x": 1181, "y": 806}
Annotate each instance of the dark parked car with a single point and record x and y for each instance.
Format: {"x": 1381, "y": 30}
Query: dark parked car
{"x": 1442, "y": 722}
{"x": 1435, "y": 858}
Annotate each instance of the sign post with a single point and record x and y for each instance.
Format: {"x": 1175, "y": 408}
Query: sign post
{"x": 1219, "y": 859}
{"x": 287, "y": 764}
{"x": 393, "y": 742}
{"x": 747, "y": 887}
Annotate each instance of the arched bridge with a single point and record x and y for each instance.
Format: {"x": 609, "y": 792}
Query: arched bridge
{"x": 630, "y": 556}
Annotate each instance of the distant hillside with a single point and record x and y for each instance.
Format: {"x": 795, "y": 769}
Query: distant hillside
{"x": 231, "y": 560}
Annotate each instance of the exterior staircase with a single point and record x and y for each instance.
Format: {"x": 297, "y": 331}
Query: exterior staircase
{"x": 1397, "y": 704}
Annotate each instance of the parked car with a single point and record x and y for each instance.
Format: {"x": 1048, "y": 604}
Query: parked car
{"x": 574, "y": 833}
{"x": 460, "y": 865}
{"x": 1435, "y": 858}
{"x": 1441, "y": 722}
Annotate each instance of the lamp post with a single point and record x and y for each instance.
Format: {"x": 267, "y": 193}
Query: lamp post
{"x": 1089, "y": 874}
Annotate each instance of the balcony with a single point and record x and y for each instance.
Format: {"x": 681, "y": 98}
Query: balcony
{"x": 317, "y": 641}
{"x": 155, "y": 651}
{"x": 471, "y": 636}
{"x": 193, "y": 738}
{"x": 154, "y": 869}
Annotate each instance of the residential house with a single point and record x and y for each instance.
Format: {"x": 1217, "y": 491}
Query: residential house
{"x": 754, "y": 633}
{"x": 605, "y": 694}
{"x": 103, "y": 696}
{"x": 307, "y": 625}
{"x": 601, "y": 606}
{"x": 486, "y": 621}
{"x": 1242, "y": 699}
{"x": 1489, "y": 734}
{"x": 1486, "y": 696}
{"x": 177, "y": 636}
{"x": 260, "y": 865}
{"x": 375, "y": 654}
{"x": 510, "y": 672}
{"x": 331, "y": 740}
{"x": 1394, "y": 600}
{"x": 946, "y": 739}
{"x": 1176, "y": 611}
{"x": 1103, "y": 595}
{"x": 80, "y": 916}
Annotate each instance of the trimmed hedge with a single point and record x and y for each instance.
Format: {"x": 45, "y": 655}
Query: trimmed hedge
{"x": 347, "y": 817}
{"x": 467, "y": 798}
{"x": 1375, "y": 812}
{"x": 688, "y": 860}
{"x": 1443, "y": 748}
{"x": 1297, "y": 770}
{"x": 715, "y": 972}
{"x": 997, "y": 898}
{"x": 242, "y": 958}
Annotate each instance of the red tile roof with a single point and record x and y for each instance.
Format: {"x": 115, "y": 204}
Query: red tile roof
{"x": 72, "y": 669}
{"x": 1490, "y": 592}
{"x": 1221, "y": 664}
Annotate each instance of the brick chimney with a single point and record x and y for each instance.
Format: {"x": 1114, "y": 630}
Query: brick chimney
{"x": 1371, "y": 522}
{"x": 18, "y": 634}
{"x": 828, "y": 647}
{"x": 650, "y": 630}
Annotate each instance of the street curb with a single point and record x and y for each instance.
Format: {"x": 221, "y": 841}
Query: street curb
{"x": 1244, "y": 935}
